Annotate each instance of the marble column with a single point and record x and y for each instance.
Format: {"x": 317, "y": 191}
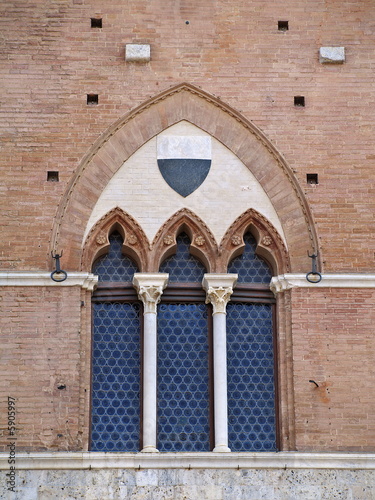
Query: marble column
{"x": 150, "y": 287}
{"x": 219, "y": 288}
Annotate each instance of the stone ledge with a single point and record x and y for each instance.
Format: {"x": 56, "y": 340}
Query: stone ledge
{"x": 98, "y": 460}
{"x": 287, "y": 281}
{"x": 87, "y": 281}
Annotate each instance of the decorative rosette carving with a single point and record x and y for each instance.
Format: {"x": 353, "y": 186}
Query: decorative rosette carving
{"x": 132, "y": 239}
{"x": 267, "y": 240}
{"x": 236, "y": 240}
{"x": 101, "y": 238}
{"x": 168, "y": 240}
{"x": 199, "y": 240}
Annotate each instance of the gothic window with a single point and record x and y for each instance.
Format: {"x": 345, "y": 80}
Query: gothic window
{"x": 183, "y": 359}
{"x": 184, "y": 353}
{"x": 116, "y": 356}
{"x": 250, "y": 355}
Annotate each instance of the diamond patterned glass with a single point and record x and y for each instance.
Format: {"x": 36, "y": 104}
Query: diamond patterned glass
{"x": 116, "y": 377}
{"x": 182, "y": 266}
{"x": 114, "y": 266}
{"x": 250, "y": 267}
{"x": 251, "y": 392}
{"x": 183, "y": 402}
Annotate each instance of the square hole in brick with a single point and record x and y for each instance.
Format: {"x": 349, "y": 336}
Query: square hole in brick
{"x": 312, "y": 178}
{"x": 283, "y": 25}
{"x": 92, "y": 99}
{"x": 96, "y": 23}
{"x": 299, "y": 100}
{"x": 52, "y": 176}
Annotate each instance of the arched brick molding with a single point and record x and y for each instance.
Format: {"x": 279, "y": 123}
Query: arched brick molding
{"x": 185, "y": 102}
{"x": 203, "y": 245}
{"x": 135, "y": 244}
{"x": 269, "y": 243}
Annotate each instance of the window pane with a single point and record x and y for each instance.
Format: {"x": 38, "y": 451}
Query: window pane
{"x": 116, "y": 375}
{"x": 183, "y": 267}
{"x": 114, "y": 266}
{"x": 183, "y": 400}
{"x": 251, "y": 392}
{"x": 250, "y": 267}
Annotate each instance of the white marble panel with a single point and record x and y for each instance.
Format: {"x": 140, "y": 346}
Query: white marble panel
{"x": 183, "y": 147}
{"x": 228, "y": 190}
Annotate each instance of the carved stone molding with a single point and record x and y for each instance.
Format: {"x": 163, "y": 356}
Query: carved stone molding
{"x": 150, "y": 287}
{"x": 136, "y": 244}
{"x": 219, "y": 288}
{"x": 203, "y": 244}
{"x": 270, "y": 245}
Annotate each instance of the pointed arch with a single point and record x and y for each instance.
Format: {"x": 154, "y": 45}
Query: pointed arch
{"x": 135, "y": 241}
{"x": 203, "y": 244}
{"x": 185, "y": 102}
{"x": 270, "y": 245}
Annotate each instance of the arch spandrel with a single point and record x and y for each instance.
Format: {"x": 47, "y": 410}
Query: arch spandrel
{"x": 185, "y": 102}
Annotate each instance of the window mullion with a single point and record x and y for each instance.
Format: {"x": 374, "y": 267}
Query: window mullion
{"x": 219, "y": 288}
{"x": 150, "y": 287}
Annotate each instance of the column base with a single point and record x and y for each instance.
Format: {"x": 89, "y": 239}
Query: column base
{"x": 221, "y": 448}
{"x": 149, "y": 449}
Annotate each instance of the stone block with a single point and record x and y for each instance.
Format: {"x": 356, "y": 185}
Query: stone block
{"x": 332, "y": 55}
{"x": 137, "y": 52}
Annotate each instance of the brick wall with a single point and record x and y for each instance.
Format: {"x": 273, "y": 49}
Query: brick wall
{"x": 334, "y": 345}
{"x": 42, "y": 366}
{"x": 51, "y": 59}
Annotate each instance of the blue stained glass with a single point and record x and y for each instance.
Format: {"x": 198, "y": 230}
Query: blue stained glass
{"x": 183, "y": 402}
{"x": 114, "y": 266}
{"x": 246, "y": 408}
{"x": 182, "y": 266}
{"x": 249, "y": 267}
{"x": 115, "y": 396}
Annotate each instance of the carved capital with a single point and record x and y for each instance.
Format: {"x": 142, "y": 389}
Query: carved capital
{"x": 219, "y": 288}
{"x": 150, "y": 287}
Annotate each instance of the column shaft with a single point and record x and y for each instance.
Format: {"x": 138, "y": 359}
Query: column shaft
{"x": 219, "y": 288}
{"x": 149, "y": 382}
{"x": 220, "y": 382}
{"x": 150, "y": 287}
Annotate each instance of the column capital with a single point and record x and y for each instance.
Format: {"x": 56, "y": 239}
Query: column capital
{"x": 150, "y": 287}
{"x": 219, "y": 288}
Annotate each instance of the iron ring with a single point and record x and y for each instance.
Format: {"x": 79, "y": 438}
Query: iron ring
{"x": 314, "y": 274}
{"x": 59, "y": 272}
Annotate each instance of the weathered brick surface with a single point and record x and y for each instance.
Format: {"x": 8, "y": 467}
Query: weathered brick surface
{"x": 42, "y": 349}
{"x": 334, "y": 345}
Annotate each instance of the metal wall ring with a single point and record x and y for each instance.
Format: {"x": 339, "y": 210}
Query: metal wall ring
{"x": 58, "y": 280}
{"x": 314, "y": 274}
